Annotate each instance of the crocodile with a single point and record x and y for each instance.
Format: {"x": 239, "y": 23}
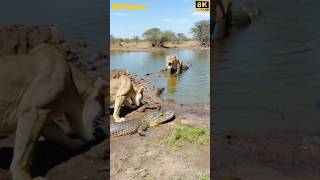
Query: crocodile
{"x": 140, "y": 125}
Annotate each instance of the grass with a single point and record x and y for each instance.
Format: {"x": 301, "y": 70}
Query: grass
{"x": 182, "y": 134}
{"x": 142, "y": 157}
{"x": 203, "y": 177}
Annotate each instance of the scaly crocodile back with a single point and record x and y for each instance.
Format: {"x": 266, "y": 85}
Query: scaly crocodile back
{"x": 124, "y": 128}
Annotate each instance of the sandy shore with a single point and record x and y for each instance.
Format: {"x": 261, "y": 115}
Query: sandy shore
{"x": 146, "y": 46}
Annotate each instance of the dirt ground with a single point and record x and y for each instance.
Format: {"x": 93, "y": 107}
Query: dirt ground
{"x": 146, "y": 46}
{"x": 137, "y": 157}
{"x": 276, "y": 156}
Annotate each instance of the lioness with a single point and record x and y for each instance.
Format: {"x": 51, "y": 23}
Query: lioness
{"x": 37, "y": 88}
{"x": 122, "y": 92}
{"x": 174, "y": 65}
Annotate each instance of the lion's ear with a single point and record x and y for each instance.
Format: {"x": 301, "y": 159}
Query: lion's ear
{"x": 179, "y": 60}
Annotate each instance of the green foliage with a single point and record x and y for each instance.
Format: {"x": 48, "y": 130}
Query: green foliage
{"x": 185, "y": 134}
{"x": 181, "y": 38}
{"x": 168, "y": 36}
{"x": 201, "y": 32}
{"x": 159, "y": 38}
{"x": 203, "y": 177}
{"x": 153, "y": 35}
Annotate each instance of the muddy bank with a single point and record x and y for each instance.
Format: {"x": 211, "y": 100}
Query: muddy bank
{"x": 51, "y": 160}
{"x": 278, "y": 156}
{"x": 153, "y": 157}
{"x": 146, "y": 47}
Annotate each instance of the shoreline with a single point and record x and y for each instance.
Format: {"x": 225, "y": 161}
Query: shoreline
{"x": 146, "y": 47}
{"x": 153, "y": 157}
{"x": 156, "y": 49}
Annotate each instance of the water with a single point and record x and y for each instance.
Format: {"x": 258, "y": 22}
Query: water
{"x": 73, "y": 18}
{"x": 193, "y": 86}
{"x": 267, "y": 76}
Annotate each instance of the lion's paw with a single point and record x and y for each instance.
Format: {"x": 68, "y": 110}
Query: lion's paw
{"x": 120, "y": 120}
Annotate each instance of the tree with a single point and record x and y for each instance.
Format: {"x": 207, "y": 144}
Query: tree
{"x": 136, "y": 39}
{"x": 112, "y": 39}
{"x": 181, "y": 38}
{"x": 201, "y": 32}
{"x": 153, "y": 35}
{"x": 167, "y": 36}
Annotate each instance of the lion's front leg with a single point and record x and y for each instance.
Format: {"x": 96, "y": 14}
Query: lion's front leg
{"x": 30, "y": 124}
{"x": 117, "y": 106}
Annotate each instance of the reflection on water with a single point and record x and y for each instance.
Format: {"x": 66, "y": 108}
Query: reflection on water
{"x": 190, "y": 87}
{"x": 267, "y": 76}
{"x": 172, "y": 85}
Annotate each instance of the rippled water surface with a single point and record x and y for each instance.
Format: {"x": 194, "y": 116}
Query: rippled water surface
{"x": 267, "y": 76}
{"x": 190, "y": 87}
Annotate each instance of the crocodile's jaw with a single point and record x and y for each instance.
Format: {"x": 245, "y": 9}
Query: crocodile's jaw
{"x": 164, "y": 117}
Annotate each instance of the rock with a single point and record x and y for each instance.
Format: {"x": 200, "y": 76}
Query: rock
{"x": 186, "y": 121}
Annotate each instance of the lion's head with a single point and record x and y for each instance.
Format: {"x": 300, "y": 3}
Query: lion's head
{"x": 139, "y": 96}
{"x": 173, "y": 63}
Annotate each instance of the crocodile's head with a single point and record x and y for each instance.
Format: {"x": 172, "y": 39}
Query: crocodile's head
{"x": 157, "y": 118}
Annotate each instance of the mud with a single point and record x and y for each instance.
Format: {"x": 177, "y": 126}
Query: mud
{"x": 279, "y": 156}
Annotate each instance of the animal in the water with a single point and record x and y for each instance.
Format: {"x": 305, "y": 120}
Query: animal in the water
{"x": 174, "y": 65}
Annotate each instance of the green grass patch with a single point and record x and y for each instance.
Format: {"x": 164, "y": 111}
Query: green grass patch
{"x": 203, "y": 177}
{"x": 185, "y": 134}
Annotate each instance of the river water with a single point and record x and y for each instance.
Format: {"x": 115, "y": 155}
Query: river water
{"x": 191, "y": 86}
{"x": 73, "y": 18}
{"x": 266, "y": 77}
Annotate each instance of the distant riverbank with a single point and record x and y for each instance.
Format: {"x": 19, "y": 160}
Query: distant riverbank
{"x": 146, "y": 46}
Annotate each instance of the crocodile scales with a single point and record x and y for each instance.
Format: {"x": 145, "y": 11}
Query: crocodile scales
{"x": 140, "y": 125}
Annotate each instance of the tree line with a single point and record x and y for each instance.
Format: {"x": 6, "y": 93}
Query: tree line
{"x": 158, "y": 38}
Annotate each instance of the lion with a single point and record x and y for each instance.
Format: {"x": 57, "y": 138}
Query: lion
{"x": 123, "y": 92}
{"x": 36, "y": 89}
{"x": 174, "y": 65}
